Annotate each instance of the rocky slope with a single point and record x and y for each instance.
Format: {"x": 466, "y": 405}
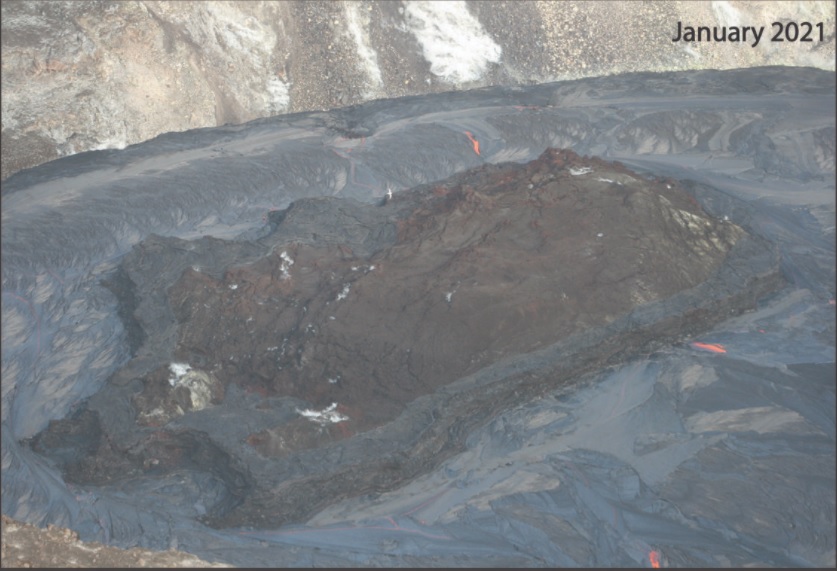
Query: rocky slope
{"x": 25, "y": 545}
{"x": 85, "y": 75}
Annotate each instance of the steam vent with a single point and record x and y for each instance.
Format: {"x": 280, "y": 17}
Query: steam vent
{"x": 350, "y": 347}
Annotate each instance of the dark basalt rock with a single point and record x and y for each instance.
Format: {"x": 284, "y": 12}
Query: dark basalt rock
{"x": 352, "y": 347}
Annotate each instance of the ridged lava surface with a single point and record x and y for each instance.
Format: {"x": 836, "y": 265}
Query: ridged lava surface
{"x": 502, "y": 261}
{"x": 512, "y": 278}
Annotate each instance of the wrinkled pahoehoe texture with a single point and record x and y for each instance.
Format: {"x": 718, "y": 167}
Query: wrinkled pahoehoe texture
{"x": 82, "y": 75}
{"x": 582, "y": 434}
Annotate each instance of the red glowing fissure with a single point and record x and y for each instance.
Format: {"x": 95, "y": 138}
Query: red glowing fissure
{"x": 654, "y": 558}
{"x": 474, "y": 141}
{"x": 712, "y": 347}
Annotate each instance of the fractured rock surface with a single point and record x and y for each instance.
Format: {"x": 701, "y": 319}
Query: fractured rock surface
{"x": 351, "y": 347}
{"x": 503, "y": 261}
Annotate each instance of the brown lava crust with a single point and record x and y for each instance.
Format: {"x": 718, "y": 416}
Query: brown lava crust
{"x": 360, "y": 310}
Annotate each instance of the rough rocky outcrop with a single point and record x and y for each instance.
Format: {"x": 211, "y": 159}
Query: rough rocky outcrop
{"x": 353, "y": 346}
{"x": 27, "y": 546}
{"x": 503, "y": 261}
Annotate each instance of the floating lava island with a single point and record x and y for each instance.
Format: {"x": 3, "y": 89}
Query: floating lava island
{"x": 351, "y": 347}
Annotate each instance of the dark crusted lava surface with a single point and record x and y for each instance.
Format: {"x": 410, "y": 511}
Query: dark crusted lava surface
{"x": 350, "y": 347}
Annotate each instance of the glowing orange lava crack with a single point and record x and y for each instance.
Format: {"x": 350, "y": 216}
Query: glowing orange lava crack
{"x": 711, "y": 347}
{"x": 474, "y": 141}
{"x": 654, "y": 558}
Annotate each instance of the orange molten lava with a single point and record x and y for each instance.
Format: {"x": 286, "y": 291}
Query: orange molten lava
{"x": 654, "y": 558}
{"x": 713, "y": 347}
{"x": 474, "y": 141}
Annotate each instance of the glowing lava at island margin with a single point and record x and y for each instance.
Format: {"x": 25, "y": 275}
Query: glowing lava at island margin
{"x": 654, "y": 558}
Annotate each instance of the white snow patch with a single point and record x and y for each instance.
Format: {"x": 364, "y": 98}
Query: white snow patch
{"x": 233, "y": 287}
{"x": 114, "y": 142}
{"x": 452, "y": 40}
{"x": 230, "y": 29}
{"x": 197, "y": 382}
{"x": 357, "y": 22}
{"x": 156, "y": 412}
{"x": 178, "y": 370}
{"x": 277, "y": 99}
{"x": 583, "y": 170}
{"x": 328, "y": 415}
{"x": 726, "y": 14}
{"x": 367, "y": 270}
{"x": 287, "y": 262}
{"x": 344, "y": 292}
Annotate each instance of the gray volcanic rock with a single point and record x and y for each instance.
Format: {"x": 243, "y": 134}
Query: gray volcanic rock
{"x": 351, "y": 346}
